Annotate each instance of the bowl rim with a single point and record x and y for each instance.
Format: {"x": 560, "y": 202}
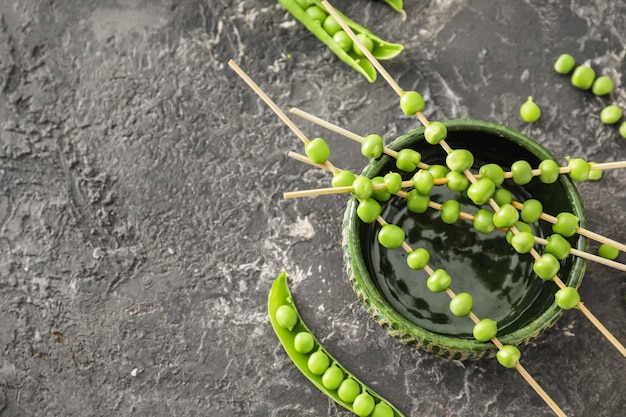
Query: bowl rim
{"x": 410, "y": 333}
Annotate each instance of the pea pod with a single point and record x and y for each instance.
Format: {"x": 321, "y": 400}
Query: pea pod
{"x": 381, "y": 49}
{"x": 396, "y": 5}
{"x": 287, "y": 324}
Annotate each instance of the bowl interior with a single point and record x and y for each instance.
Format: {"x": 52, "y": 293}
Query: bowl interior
{"x": 501, "y": 281}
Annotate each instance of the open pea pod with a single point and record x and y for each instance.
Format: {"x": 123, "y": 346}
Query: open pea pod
{"x": 289, "y": 326}
{"x": 381, "y": 49}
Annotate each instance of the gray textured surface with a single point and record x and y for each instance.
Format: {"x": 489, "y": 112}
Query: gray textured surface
{"x": 142, "y": 219}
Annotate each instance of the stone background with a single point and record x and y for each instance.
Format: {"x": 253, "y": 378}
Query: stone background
{"x": 142, "y": 220}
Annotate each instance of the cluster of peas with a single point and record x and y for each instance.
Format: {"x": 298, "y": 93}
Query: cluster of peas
{"x": 491, "y": 176}
{"x": 333, "y": 376}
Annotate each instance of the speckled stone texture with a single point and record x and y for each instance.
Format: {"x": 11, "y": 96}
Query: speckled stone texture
{"x": 142, "y": 220}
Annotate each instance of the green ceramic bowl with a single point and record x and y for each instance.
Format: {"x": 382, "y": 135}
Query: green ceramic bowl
{"x": 502, "y": 282}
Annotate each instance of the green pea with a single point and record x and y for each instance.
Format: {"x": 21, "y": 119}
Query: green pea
{"x": 508, "y": 356}
{"x": 523, "y": 242}
{"x": 439, "y": 280}
{"x": 483, "y": 221}
{"x": 506, "y": 216}
{"x": 502, "y": 196}
{"x": 367, "y": 43}
{"x": 602, "y": 86}
{"x": 418, "y": 258}
{"x": 492, "y": 171}
{"x": 416, "y": 202}
{"x": 594, "y": 174}
{"x": 423, "y": 181}
{"x": 579, "y": 169}
{"x": 566, "y": 224}
{"x": 460, "y": 160}
{"x": 408, "y": 159}
{"x": 564, "y": 64}
{"x": 522, "y": 172}
{"x": 381, "y": 194}
{"x": 485, "y": 330}
{"x": 372, "y": 146}
{"x": 304, "y": 342}
{"x": 531, "y": 210}
{"x": 411, "y": 102}
{"x": 583, "y": 77}
{"x": 286, "y": 317}
{"x": 343, "y": 40}
{"x": 622, "y": 130}
{"x": 331, "y": 26}
{"x": 438, "y": 171}
{"x": 332, "y": 378}
{"x": 530, "y": 111}
{"x": 558, "y": 246}
{"x": 362, "y": 187}
{"x": 391, "y": 236}
{"x": 317, "y": 150}
{"x": 548, "y": 171}
{"x": 521, "y": 227}
{"x": 348, "y": 390}
{"x": 368, "y": 210}
{"x": 450, "y": 211}
{"x": 343, "y": 178}
{"x": 610, "y": 114}
{"x": 567, "y": 298}
{"x": 316, "y": 13}
{"x": 435, "y": 133}
{"x": 318, "y": 362}
{"x": 303, "y": 3}
{"x": 363, "y": 404}
{"x": 481, "y": 191}
{"x": 393, "y": 182}
{"x": 461, "y": 305}
{"x": 608, "y": 252}
{"x": 546, "y": 266}
{"x": 382, "y": 409}
{"x": 457, "y": 181}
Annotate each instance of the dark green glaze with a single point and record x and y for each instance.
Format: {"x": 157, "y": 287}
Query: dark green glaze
{"x": 501, "y": 281}
{"x": 281, "y": 295}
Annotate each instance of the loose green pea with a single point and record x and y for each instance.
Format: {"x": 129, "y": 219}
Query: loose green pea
{"x": 343, "y": 178}
{"x": 548, "y": 171}
{"x": 566, "y": 224}
{"x": 502, "y": 196}
{"x": 438, "y": 171}
{"x": 331, "y": 26}
{"x": 602, "y": 86}
{"x": 286, "y": 317}
{"x": 530, "y": 111}
{"x": 508, "y": 356}
{"x": 439, "y": 280}
{"x": 483, "y": 221}
{"x": 461, "y": 305}
{"x": 318, "y": 362}
{"x": 608, "y": 252}
{"x": 362, "y": 187}
{"x": 372, "y": 146}
{"x": 546, "y": 266}
{"x": 579, "y": 169}
{"x": 450, "y": 211}
{"x": 435, "y": 133}
{"x": 622, "y": 130}
{"x": 457, "y": 181}
{"x": 583, "y": 77}
{"x": 332, "y": 378}
{"x": 564, "y": 64}
{"x": 558, "y": 246}
{"x": 343, "y": 40}
{"x": 460, "y": 160}
{"x": 348, "y": 390}
{"x": 423, "y": 181}
{"x": 382, "y": 409}
{"x": 393, "y": 182}
{"x": 304, "y": 342}
{"x": 316, "y": 13}
{"x": 481, "y": 191}
{"x": 567, "y": 298}
{"x": 367, "y": 42}
{"x": 492, "y": 171}
{"x": 368, "y": 210}
{"x": 531, "y": 210}
{"x": 416, "y": 202}
{"x": 317, "y": 150}
{"x": 521, "y": 227}
{"x": 485, "y": 330}
{"x": 522, "y": 172}
{"x": 506, "y": 216}
{"x": 380, "y": 194}
{"x": 523, "y": 242}
{"x": 594, "y": 174}
{"x": 610, "y": 114}
{"x": 363, "y": 404}
{"x": 411, "y": 102}
{"x": 418, "y": 258}
{"x": 391, "y": 236}
{"x": 407, "y": 159}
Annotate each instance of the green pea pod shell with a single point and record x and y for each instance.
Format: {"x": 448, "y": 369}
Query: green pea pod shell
{"x": 281, "y": 295}
{"x": 395, "y": 4}
{"x": 382, "y": 49}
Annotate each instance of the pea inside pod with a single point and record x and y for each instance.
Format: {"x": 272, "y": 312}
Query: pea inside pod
{"x": 319, "y": 366}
